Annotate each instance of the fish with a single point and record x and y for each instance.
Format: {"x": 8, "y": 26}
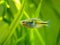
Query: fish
{"x": 34, "y": 23}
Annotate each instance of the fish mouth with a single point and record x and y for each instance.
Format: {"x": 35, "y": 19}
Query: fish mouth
{"x": 24, "y": 23}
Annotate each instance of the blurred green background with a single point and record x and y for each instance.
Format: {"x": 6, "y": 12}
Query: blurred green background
{"x": 13, "y": 11}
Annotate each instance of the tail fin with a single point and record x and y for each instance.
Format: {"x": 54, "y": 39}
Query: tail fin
{"x": 48, "y": 23}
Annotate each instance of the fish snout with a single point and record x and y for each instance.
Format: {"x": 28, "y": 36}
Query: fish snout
{"x": 22, "y": 22}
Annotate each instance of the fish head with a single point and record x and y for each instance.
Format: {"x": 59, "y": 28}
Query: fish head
{"x": 27, "y": 23}
{"x": 23, "y": 22}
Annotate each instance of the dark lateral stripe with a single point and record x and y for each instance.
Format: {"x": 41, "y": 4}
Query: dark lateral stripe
{"x": 43, "y": 23}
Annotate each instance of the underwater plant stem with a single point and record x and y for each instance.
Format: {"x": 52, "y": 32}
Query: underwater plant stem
{"x": 15, "y": 23}
{"x": 26, "y": 15}
{"x": 39, "y": 36}
{"x": 32, "y": 37}
{"x": 37, "y": 12}
{"x": 21, "y": 38}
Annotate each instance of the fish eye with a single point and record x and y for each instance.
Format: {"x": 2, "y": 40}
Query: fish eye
{"x": 23, "y": 22}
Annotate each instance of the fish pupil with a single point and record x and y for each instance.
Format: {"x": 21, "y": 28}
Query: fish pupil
{"x": 23, "y": 22}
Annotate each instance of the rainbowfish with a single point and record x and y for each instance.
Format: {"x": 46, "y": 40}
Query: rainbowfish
{"x": 34, "y": 23}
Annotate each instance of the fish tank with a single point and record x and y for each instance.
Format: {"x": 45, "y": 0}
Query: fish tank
{"x": 29, "y": 22}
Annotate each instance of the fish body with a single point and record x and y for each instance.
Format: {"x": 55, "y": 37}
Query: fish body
{"x": 34, "y": 23}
